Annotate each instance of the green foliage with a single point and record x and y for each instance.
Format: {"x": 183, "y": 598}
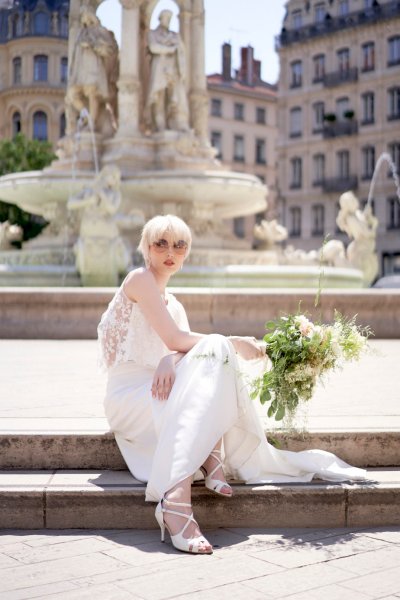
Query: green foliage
{"x": 17, "y": 155}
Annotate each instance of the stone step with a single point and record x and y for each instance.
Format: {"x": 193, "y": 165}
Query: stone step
{"x": 98, "y": 449}
{"x": 91, "y": 499}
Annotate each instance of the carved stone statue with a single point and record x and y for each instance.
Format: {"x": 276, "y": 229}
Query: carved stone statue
{"x": 361, "y": 227}
{"x": 93, "y": 71}
{"x": 9, "y": 234}
{"x": 269, "y": 233}
{"x": 166, "y": 100}
{"x": 100, "y": 252}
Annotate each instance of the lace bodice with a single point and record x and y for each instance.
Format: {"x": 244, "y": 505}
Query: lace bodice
{"x": 125, "y": 335}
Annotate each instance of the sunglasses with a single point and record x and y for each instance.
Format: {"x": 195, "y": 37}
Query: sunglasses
{"x": 162, "y": 246}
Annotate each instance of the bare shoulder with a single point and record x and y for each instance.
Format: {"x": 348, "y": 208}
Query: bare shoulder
{"x": 139, "y": 282}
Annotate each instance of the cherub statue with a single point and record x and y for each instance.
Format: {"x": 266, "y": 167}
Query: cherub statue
{"x": 8, "y": 234}
{"x": 360, "y": 226}
{"x": 269, "y": 233}
{"x": 101, "y": 255}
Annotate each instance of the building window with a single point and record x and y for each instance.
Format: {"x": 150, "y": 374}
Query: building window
{"x": 296, "y": 70}
{"x": 318, "y": 116}
{"x": 261, "y": 158}
{"x": 40, "y": 67}
{"x": 394, "y": 50}
{"x": 239, "y": 227}
{"x": 394, "y": 150}
{"x": 238, "y": 111}
{"x": 368, "y": 3}
{"x": 16, "y": 26}
{"x": 342, "y": 107}
{"x": 40, "y": 126}
{"x": 368, "y": 56}
{"x": 295, "y": 221}
{"x": 319, "y": 169}
{"x": 295, "y": 122}
{"x": 368, "y": 162}
{"x": 343, "y": 8}
{"x": 394, "y": 103}
{"x": 297, "y": 19}
{"x": 296, "y": 173}
{"x": 318, "y": 219}
{"x": 238, "y": 148}
{"x": 343, "y": 57}
{"x": 319, "y": 12}
{"x": 41, "y": 23}
{"x": 16, "y": 124}
{"x": 64, "y": 69}
{"x": 368, "y": 108}
{"x": 17, "y": 70}
{"x": 64, "y": 29}
{"x": 216, "y": 142}
{"x": 63, "y": 125}
{"x": 319, "y": 67}
{"x": 343, "y": 164}
{"x": 393, "y": 213}
{"x": 260, "y": 116}
{"x": 216, "y": 107}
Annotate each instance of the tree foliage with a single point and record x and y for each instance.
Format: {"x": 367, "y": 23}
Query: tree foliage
{"x": 17, "y": 155}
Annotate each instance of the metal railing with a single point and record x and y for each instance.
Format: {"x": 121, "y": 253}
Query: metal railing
{"x": 340, "y": 184}
{"x": 334, "y": 24}
{"x": 338, "y": 128}
{"x": 340, "y": 77}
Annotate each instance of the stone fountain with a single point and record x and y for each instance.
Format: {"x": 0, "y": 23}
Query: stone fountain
{"x": 137, "y": 145}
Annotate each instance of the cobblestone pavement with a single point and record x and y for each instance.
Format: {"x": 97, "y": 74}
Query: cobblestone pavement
{"x": 248, "y": 564}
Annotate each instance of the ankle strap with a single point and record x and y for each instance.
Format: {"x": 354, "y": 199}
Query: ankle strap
{"x": 176, "y": 503}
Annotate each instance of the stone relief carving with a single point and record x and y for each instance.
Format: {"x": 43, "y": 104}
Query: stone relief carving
{"x": 167, "y": 104}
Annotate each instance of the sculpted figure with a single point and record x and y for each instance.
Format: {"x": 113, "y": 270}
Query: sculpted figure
{"x": 9, "y": 234}
{"x": 361, "y": 227}
{"x": 100, "y": 252}
{"x": 166, "y": 100}
{"x": 269, "y": 233}
{"x": 93, "y": 71}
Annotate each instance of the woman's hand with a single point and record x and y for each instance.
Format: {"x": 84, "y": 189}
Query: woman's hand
{"x": 164, "y": 376}
{"x": 247, "y": 347}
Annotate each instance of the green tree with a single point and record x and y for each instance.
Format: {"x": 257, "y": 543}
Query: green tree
{"x": 23, "y": 154}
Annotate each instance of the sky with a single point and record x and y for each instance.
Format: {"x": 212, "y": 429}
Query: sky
{"x": 240, "y": 22}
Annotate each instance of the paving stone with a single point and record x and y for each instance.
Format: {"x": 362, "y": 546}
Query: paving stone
{"x": 329, "y": 592}
{"x": 100, "y": 592}
{"x": 63, "y": 569}
{"x": 370, "y": 562}
{"x": 293, "y": 581}
{"x": 28, "y": 555}
{"x": 40, "y": 591}
{"x": 7, "y": 561}
{"x": 385, "y": 534}
{"x": 205, "y": 574}
{"x": 234, "y": 591}
{"x": 386, "y": 584}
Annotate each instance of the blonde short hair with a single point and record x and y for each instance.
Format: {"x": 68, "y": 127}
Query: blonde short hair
{"x": 159, "y": 226}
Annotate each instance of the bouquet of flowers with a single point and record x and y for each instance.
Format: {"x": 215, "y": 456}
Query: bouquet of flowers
{"x": 301, "y": 352}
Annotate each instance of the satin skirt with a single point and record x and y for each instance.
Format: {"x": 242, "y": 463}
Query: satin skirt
{"x": 165, "y": 441}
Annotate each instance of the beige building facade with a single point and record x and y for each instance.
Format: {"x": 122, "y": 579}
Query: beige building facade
{"x": 33, "y": 68}
{"x": 243, "y": 125}
{"x": 338, "y": 111}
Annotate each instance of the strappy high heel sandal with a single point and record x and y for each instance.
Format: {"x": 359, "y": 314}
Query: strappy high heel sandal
{"x": 191, "y": 545}
{"x": 216, "y": 485}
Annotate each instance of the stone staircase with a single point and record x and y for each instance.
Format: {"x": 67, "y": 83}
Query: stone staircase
{"x": 63, "y": 479}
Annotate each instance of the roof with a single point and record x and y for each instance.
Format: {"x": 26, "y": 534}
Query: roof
{"x": 234, "y": 85}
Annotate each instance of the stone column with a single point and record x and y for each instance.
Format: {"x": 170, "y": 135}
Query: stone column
{"x": 129, "y": 82}
{"x": 198, "y": 93}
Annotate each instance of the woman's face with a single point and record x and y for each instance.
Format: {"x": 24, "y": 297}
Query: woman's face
{"x": 167, "y": 254}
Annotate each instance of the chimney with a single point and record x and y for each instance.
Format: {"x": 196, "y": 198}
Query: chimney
{"x": 257, "y": 71}
{"x": 226, "y": 62}
{"x": 246, "y": 73}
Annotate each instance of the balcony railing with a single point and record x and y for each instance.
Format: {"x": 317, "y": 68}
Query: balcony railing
{"x": 334, "y": 24}
{"x": 340, "y": 184}
{"x": 338, "y": 128}
{"x": 340, "y": 77}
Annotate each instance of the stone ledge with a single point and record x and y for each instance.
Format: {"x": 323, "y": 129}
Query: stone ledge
{"x": 110, "y": 500}
{"x": 98, "y": 450}
{"x": 73, "y": 313}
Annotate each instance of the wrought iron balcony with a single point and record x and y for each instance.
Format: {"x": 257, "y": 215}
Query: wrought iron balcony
{"x": 340, "y": 77}
{"x": 338, "y": 128}
{"x": 340, "y": 184}
{"x": 333, "y": 24}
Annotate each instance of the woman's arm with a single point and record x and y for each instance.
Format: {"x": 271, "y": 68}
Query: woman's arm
{"x": 141, "y": 287}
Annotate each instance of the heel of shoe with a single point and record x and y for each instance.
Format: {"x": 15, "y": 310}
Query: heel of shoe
{"x": 160, "y": 520}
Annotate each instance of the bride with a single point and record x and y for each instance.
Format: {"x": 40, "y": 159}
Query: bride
{"x": 176, "y": 400}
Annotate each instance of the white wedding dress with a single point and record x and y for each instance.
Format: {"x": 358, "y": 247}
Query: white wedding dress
{"x": 163, "y": 442}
